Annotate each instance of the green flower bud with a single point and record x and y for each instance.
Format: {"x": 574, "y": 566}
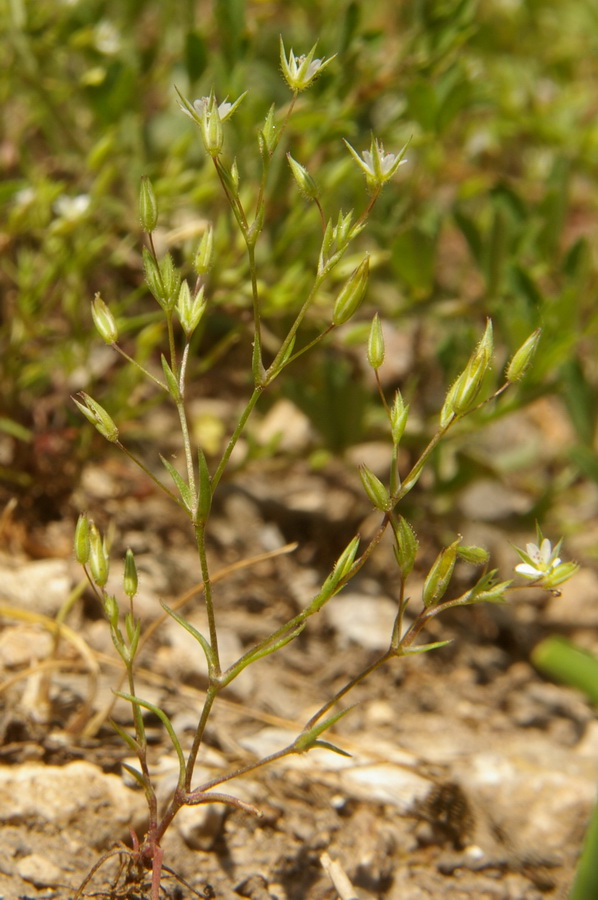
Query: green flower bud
{"x": 268, "y": 136}
{"x": 463, "y": 394}
{"x": 111, "y": 610}
{"x": 336, "y": 240}
{"x": 440, "y": 574}
{"x": 98, "y": 417}
{"x": 398, "y": 418}
{"x": 305, "y": 182}
{"x": 475, "y": 555}
{"x": 81, "y": 542}
{"x": 211, "y": 128}
{"x": 352, "y": 293}
{"x": 153, "y": 278}
{"x": 205, "y": 252}
{"x": 341, "y": 568}
{"x": 343, "y": 564}
{"x": 374, "y": 488}
{"x": 234, "y": 176}
{"x": 148, "y": 208}
{"x": 405, "y": 547}
{"x": 522, "y": 359}
{"x": 376, "y": 344}
{"x": 189, "y": 309}
{"x": 130, "y": 577}
{"x": 99, "y": 561}
{"x": 103, "y": 320}
{"x": 171, "y": 281}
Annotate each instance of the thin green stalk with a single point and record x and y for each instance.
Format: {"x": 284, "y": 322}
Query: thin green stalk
{"x": 134, "y": 362}
{"x": 348, "y": 687}
{"x": 257, "y": 392}
{"x": 211, "y": 694}
{"x": 171, "y": 343}
{"x": 200, "y": 538}
{"x": 309, "y": 346}
{"x": 150, "y": 475}
{"x": 275, "y": 367}
{"x": 250, "y": 767}
{"x": 257, "y": 366}
{"x": 180, "y": 406}
{"x": 265, "y": 167}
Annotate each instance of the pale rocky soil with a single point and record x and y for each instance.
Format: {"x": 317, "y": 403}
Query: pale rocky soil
{"x": 470, "y": 776}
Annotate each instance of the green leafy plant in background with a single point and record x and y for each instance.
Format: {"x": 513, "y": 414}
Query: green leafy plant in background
{"x": 183, "y": 295}
{"x": 503, "y": 136}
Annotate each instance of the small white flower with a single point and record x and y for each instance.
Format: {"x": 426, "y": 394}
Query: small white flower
{"x": 72, "y": 208}
{"x": 301, "y": 71}
{"x": 541, "y": 560}
{"x": 206, "y": 113}
{"x": 377, "y": 165}
{"x": 542, "y": 563}
{"x": 202, "y": 108}
{"x": 107, "y": 38}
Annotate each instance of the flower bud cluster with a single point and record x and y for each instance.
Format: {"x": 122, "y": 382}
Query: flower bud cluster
{"x": 336, "y": 240}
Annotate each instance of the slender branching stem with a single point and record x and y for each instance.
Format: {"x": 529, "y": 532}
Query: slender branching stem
{"x": 211, "y": 694}
{"x": 150, "y": 475}
{"x": 255, "y": 396}
{"x": 200, "y": 538}
{"x": 348, "y": 687}
{"x": 141, "y": 368}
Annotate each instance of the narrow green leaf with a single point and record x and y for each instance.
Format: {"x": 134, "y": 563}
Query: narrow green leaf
{"x": 136, "y": 701}
{"x": 203, "y": 642}
{"x": 181, "y": 485}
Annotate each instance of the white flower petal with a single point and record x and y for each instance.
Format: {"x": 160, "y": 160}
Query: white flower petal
{"x": 528, "y": 571}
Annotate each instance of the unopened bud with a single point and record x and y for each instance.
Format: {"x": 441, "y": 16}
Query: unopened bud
{"x": 111, "y": 610}
{"x": 463, "y": 394}
{"x": 305, "y": 182}
{"x": 522, "y": 359}
{"x": 171, "y": 281}
{"x": 205, "y": 252}
{"x": 376, "y": 344}
{"x": 352, "y": 293}
{"x": 148, "y": 208}
{"x": 130, "y": 577}
{"x": 98, "y": 417}
{"x": 477, "y": 556}
{"x": 398, "y": 418}
{"x": 104, "y": 320}
{"x": 190, "y": 309}
{"x": 211, "y": 129}
{"x": 268, "y": 136}
{"x": 81, "y": 541}
{"x": 374, "y": 488}
{"x": 440, "y": 574}
{"x": 405, "y": 547}
{"x": 99, "y": 562}
{"x": 343, "y": 564}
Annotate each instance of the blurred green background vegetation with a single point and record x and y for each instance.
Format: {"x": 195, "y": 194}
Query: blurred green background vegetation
{"x": 494, "y": 215}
